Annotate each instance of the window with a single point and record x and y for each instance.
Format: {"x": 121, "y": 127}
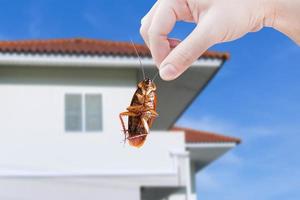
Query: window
{"x": 73, "y": 112}
{"x": 93, "y": 114}
{"x": 83, "y": 112}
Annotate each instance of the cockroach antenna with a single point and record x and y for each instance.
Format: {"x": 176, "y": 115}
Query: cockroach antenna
{"x": 154, "y": 77}
{"x": 137, "y": 53}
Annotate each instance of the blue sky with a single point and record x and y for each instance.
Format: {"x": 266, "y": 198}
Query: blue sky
{"x": 256, "y": 95}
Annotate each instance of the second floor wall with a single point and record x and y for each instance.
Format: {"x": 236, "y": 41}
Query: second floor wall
{"x": 35, "y": 98}
{"x": 33, "y": 132}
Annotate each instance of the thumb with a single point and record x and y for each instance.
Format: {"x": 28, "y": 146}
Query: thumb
{"x": 188, "y": 51}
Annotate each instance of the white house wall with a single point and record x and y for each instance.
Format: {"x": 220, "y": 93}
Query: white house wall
{"x": 33, "y": 140}
{"x": 78, "y": 188}
{"x": 65, "y": 189}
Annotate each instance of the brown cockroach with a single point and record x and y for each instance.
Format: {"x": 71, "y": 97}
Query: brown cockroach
{"x": 141, "y": 112}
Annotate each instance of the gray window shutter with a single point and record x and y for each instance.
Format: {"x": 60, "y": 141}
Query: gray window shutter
{"x": 93, "y": 112}
{"x": 73, "y": 112}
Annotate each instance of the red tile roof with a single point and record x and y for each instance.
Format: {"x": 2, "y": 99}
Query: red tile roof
{"x": 196, "y": 136}
{"x": 84, "y": 46}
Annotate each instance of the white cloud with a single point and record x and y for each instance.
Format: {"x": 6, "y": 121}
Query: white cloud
{"x": 96, "y": 21}
{"x": 257, "y": 170}
{"x": 232, "y": 185}
{"x": 207, "y": 181}
{"x": 35, "y": 19}
{"x": 231, "y": 158}
{"x": 4, "y": 37}
{"x": 92, "y": 20}
{"x": 34, "y": 28}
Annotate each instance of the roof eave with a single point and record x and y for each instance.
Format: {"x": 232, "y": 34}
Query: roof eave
{"x": 212, "y": 145}
{"x": 69, "y": 60}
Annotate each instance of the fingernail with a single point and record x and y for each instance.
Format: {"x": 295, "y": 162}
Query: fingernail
{"x": 168, "y": 72}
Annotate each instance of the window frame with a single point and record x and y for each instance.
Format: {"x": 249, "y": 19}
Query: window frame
{"x": 83, "y": 113}
{"x": 66, "y": 104}
{"x": 86, "y": 113}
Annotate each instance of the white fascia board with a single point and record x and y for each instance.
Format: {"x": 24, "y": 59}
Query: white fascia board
{"x": 211, "y": 145}
{"x": 179, "y": 153}
{"x": 45, "y": 174}
{"x": 58, "y": 60}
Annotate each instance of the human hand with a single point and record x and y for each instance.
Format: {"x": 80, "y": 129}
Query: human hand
{"x": 217, "y": 21}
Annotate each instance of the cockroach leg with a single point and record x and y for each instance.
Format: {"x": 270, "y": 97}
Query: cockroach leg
{"x": 122, "y": 121}
{"x": 140, "y": 85}
{"x": 154, "y": 113}
{"x": 135, "y": 108}
{"x": 141, "y": 98}
{"x": 137, "y": 136}
{"x": 143, "y": 91}
{"x": 149, "y": 91}
{"x": 125, "y": 132}
{"x": 145, "y": 124}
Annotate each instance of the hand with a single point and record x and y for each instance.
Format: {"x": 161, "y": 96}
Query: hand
{"x": 217, "y": 21}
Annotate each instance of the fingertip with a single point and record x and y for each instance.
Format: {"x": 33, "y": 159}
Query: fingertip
{"x": 168, "y": 72}
{"x": 162, "y": 52}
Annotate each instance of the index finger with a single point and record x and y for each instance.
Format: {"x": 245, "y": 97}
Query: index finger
{"x": 162, "y": 24}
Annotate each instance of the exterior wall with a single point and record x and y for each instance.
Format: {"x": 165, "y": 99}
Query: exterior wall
{"x": 32, "y": 136}
{"x": 92, "y": 188}
{"x": 62, "y": 189}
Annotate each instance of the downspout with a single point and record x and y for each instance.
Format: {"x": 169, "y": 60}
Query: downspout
{"x": 185, "y": 156}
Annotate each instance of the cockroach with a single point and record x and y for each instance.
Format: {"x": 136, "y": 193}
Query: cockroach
{"x": 141, "y": 112}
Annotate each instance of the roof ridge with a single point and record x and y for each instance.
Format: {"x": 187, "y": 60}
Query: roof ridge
{"x": 71, "y": 39}
{"x": 79, "y": 45}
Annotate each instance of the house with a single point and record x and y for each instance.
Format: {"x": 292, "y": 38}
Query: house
{"x": 60, "y": 135}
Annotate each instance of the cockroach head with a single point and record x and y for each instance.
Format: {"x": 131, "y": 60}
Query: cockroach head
{"x": 147, "y": 83}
